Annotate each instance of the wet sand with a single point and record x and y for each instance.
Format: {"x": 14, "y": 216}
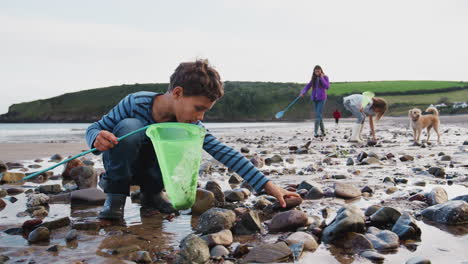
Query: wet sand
{"x": 160, "y": 236}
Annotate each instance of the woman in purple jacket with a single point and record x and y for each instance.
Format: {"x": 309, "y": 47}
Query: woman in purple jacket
{"x": 320, "y": 85}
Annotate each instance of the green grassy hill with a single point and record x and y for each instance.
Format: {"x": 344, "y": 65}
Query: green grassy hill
{"x": 243, "y": 101}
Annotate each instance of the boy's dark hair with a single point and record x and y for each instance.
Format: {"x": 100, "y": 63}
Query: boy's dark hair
{"x": 198, "y": 79}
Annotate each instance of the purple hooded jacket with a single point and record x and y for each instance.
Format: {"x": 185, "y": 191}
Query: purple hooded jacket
{"x": 319, "y": 90}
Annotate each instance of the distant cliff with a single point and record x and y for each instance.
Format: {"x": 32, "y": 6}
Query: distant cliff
{"x": 243, "y": 101}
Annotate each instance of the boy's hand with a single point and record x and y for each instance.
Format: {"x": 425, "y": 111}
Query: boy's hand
{"x": 105, "y": 141}
{"x": 279, "y": 193}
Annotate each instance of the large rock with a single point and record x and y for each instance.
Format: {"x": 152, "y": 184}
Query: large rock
{"x": 219, "y": 251}
{"x": 71, "y": 235}
{"x": 438, "y": 195}
{"x": 302, "y": 237}
{"x": 39, "y": 234}
{"x": 2, "y": 204}
{"x": 258, "y": 161}
{"x": 57, "y": 223}
{"x": 193, "y": 249}
{"x": 348, "y": 219}
{"x": 215, "y": 220}
{"x": 84, "y": 176}
{"x": 437, "y": 172}
{"x": 223, "y": 237}
{"x": 383, "y": 240}
{"x": 450, "y": 213}
{"x": 87, "y": 197}
{"x": 71, "y": 165}
{"x": 268, "y": 253}
{"x": 216, "y": 189}
{"x": 305, "y": 185}
{"x": 262, "y": 203}
{"x": 353, "y": 243}
{"x": 249, "y": 224}
{"x": 56, "y": 158}
{"x": 460, "y": 197}
{"x": 14, "y": 191}
{"x": 12, "y": 176}
{"x": 418, "y": 260}
{"x": 373, "y": 256}
{"x": 385, "y": 217}
{"x": 204, "y": 201}
{"x": 314, "y": 193}
{"x": 235, "y": 195}
{"x": 291, "y": 202}
{"x": 235, "y": 179}
{"x": 51, "y": 188}
{"x": 346, "y": 191}
{"x": 288, "y": 221}
{"x": 406, "y": 228}
{"x": 3, "y": 167}
{"x": 37, "y": 199}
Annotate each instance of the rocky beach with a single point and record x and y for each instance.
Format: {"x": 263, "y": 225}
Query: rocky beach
{"x": 390, "y": 202}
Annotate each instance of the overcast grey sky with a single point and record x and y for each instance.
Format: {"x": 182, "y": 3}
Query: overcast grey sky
{"x": 48, "y": 47}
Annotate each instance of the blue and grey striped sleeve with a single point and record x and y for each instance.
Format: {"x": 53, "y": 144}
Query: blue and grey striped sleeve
{"x": 235, "y": 161}
{"x": 121, "y": 111}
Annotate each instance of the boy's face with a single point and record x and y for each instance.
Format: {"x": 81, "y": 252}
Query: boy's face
{"x": 190, "y": 109}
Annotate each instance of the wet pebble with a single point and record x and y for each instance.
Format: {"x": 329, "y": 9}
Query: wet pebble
{"x": 346, "y": 191}
{"x": 249, "y": 223}
{"x": 193, "y": 249}
{"x": 288, "y": 221}
{"x": 372, "y": 256}
{"x": 50, "y": 189}
{"x": 406, "y": 227}
{"x": 418, "y": 260}
{"x": 204, "y": 200}
{"x": 14, "y": 191}
{"x": 382, "y": 240}
{"x": 234, "y": 195}
{"x": 348, "y": 219}
{"x": 308, "y": 240}
{"x": 438, "y": 195}
{"x": 39, "y": 234}
{"x": 450, "y": 213}
{"x": 219, "y": 251}
{"x": 215, "y": 220}
{"x": 385, "y": 216}
{"x": 87, "y": 197}
{"x": 223, "y": 237}
{"x": 71, "y": 235}
{"x": 216, "y": 189}
{"x": 37, "y": 199}
{"x": 268, "y": 253}
{"x": 142, "y": 257}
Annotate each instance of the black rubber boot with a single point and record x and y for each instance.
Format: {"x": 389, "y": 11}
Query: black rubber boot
{"x": 113, "y": 207}
{"x": 156, "y": 201}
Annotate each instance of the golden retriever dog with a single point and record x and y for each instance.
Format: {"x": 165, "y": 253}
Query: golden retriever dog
{"x": 419, "y": 122}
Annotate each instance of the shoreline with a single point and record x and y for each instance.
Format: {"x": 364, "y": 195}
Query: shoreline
{"x": 17, "y": 152}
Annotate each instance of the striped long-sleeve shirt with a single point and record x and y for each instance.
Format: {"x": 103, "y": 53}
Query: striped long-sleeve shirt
{"x": 139, "y": 105}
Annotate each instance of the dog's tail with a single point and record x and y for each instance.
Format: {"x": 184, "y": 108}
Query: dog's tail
{"x": 433, "y": 110}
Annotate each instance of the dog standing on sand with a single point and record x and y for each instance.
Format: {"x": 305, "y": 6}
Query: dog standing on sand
{"x": 420, "y": 122}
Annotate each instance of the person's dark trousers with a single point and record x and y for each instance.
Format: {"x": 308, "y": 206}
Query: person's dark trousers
{"x": 336, "y": 120}
{"x": 131, "y": 162}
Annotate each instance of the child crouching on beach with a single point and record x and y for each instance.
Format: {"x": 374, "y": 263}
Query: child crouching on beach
{"x": 193, "y": 90}
{"x": 362, "y": 106}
